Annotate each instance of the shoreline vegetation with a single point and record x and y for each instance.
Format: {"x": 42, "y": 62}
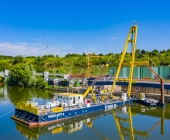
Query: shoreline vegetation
{"x": 21, "y": 68}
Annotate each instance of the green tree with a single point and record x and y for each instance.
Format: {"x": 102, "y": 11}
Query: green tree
{"x": 50, "y": 55}
{"x": 2, "y": 79}
{"x": 5, "y": 64}
{"x": 83, "y": 54}
{"x": 143, "y": 52}
{"x": 155, "y": 52}
{"x": 20, "y": 75}
{"x": 18, "y": 59}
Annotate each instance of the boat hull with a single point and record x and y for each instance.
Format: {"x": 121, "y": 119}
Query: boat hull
{"x": 143, "y": 102}
{"x": 39, "y": 120}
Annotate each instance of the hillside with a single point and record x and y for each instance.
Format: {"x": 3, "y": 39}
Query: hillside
{"x": 77, "y": 64}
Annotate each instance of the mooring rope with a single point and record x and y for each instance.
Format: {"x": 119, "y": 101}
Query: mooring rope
{"x": 6, "y": 113}
{"x": 7, "y": 125}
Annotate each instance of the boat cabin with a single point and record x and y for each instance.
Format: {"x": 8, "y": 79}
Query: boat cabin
{"x": 69, "y": 98}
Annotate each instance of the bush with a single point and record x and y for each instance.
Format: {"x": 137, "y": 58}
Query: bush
{"x": 2, "y": 79}
{"x": 40, "y": 83}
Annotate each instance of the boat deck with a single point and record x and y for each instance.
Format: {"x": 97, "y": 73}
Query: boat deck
{"x": 91, "y": 105}
{"x": 67, "y": 112}
{"x": 75, "y": 107}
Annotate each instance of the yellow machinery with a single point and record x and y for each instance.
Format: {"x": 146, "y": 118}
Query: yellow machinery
{"x": 90, "y": 88}
{"x": 159, "y": 78}
{"x": 28, "y": 107}
{"x": 104, "y": 96}
{"x": 132, "y": 37}
{"x": 88, "y": 63}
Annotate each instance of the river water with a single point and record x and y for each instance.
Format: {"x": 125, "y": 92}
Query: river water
{"x": 132, "y": 122}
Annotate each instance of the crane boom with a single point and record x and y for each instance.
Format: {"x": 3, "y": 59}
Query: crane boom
{"x": 88, "y": 63}
{"x": 132, "y": 37}
{"x": 90, "y": 88}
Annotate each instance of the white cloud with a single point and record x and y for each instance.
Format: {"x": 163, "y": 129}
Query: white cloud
{"x": 32, "y": 49}
{"x": 143, "y": 45}
{"x": 114, "y": 38}
{"x": 39, "y": 39}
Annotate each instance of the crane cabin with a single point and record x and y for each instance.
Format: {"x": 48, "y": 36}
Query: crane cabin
{"x": 70, "y": 99}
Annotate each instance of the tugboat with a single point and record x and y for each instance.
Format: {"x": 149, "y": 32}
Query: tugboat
{"x": 147, "y": 101}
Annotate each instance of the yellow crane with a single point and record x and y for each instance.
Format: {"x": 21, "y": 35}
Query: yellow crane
{"x": 90, "y": 89}
{"x": 131, "y": 38}
{"x": 158, "y": 77}
{"x": 88, "y": 62}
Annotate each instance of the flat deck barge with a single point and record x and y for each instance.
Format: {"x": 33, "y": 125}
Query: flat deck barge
{"x": 38, "y": 119}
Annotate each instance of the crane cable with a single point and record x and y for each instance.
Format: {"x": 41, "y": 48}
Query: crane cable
{"x": 94, "y": 81}
{"x": 118, "y": 48}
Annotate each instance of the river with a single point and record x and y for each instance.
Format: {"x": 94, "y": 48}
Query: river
{"x": 132, "y": 122}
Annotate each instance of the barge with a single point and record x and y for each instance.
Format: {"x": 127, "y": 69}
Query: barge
{"x": 63, "y": 106}
{"x": 68, "y": 126}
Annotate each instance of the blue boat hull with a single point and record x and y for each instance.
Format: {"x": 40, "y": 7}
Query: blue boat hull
{"x": 38, "y": 120}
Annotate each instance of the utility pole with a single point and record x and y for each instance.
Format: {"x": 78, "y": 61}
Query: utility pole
{"x": 47, "y": 48}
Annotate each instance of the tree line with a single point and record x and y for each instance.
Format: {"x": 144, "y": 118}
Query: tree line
{"x": 21, "y": 68}
{"x": 54, "y": 63}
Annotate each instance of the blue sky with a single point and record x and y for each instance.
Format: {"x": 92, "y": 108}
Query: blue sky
{"x": 77, "y": 26}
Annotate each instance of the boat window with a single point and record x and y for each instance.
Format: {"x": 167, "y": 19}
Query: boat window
{"x": 78, "y": 97}
{"x": 70, "y": 98}
{"x": 66, "y": 98}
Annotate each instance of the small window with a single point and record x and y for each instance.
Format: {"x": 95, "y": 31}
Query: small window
{"x": 78, "y": 97}
{"x": 70, "y": 98}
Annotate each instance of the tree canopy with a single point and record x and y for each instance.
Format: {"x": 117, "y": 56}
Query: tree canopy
{"x": 77, "y": 63}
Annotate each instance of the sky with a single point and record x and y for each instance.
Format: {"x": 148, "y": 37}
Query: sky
{"x": 81, "y": 26}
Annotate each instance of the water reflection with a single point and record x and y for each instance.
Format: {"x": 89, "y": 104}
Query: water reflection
{"x": 129, "y": 131}
{"x": 68, "y": 126}
{"x": 123, "y": 118}
{"x": 156, "y": 112}
{"x": 3, "y": 93}
{"x": 134, "y": 122}
{"x": 17, "y": 95}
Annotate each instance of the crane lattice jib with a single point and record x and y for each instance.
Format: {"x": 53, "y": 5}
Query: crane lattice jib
{"x": 88, "y": 63}
{"x": 131, "y": 38}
